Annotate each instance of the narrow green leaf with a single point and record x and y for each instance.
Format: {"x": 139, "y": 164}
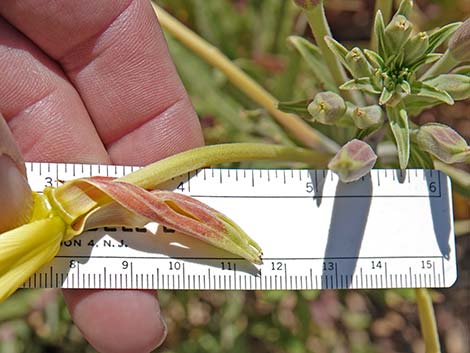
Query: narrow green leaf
{"x": 462, "y": 70}
{"x": 436, "y": 38}
{"x": 416, "y": 104}
{"x": 419, "y": 158}
{"x": 374, "y": 58}
{"x": 398, "y": 120}
{"x": 314, "y": 59}
{"x": 427, "y": 59}
{"x": 338, "y": 49}
{"x": 457, "y": 86}
{"x": 297, "y": 107}
{"x": 379, "y": 32}
{"x": 460, "y": 178}
{"x": 363, "y": 84}
{"x": 425, "y": 90}
{"x": 385, "y": 96}
{"x": 405, "y": 86}
{"x": 364, "y": 133}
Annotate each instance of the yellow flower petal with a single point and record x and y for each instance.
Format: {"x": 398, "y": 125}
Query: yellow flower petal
{"x": 26, "y": 249}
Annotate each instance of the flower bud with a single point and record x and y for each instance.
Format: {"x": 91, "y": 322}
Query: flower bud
{"x": 307, "y": 4}
{"x": 358, "y": 64}
{"x": 354, "y": 160}
{"x": 416, "y": 47}
{"x": 443, "y": 142}
{"x": 327, "y": 108}
{"x": 459, "y": 43}
{"x": 365, "y": 117}
{"x": 397, "y": 33}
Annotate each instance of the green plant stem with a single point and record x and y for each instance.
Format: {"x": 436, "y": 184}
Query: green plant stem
{"x": 386, "y": 7}
{"x": 428, "y": 321}
{"x": 462, "y": 227}
{"x": 320, "y": 28}
{"x": 157, "y": 173}
{"x": 443, "y": 65}
{"x": 292, "y": 123}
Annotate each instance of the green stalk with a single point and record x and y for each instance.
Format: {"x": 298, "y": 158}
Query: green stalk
{"x": 443, "y": 65}
{"x": 320, "y": 28}
{"x": 292, "y": 123}
{"x": 427, "y": 320}
{"x": 156, "y": 173}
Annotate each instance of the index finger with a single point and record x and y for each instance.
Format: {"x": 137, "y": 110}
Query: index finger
{"x": 115, "y": 55}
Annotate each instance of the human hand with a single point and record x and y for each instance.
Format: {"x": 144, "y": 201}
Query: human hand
{"x": 88, "y": 81}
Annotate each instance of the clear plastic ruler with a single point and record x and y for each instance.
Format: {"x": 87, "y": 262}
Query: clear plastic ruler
{"x": 391, "y": 229}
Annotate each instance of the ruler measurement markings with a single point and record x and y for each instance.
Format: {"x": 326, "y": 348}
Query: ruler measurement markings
{"x": 443, "y": 271}
{"x": 334, "y": 281}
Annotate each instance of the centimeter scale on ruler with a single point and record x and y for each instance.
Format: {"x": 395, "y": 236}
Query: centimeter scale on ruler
{"x": 391, "y": 229}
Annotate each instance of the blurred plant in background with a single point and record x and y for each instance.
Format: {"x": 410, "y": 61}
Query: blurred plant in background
{"x": 383, "y": 94}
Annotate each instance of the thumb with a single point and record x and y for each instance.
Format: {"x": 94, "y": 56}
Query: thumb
{"x": 15, "y": 195}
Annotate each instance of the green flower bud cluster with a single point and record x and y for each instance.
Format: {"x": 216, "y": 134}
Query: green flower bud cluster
{"x": 399, "y": 77}
{"x": 390, "y": 72}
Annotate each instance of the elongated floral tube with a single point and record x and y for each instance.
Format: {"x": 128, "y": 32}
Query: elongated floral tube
{"x": 157, "y": 173}
{"x": 77, "y": 205}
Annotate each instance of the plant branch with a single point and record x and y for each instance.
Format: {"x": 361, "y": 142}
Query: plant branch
{"x": 320, "y": 28}
{"x": 295, "y": 125}
{"x": 428, "y": 321}
{"x": 161, "y": 171}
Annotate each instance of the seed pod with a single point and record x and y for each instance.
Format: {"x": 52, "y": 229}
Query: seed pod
{"x": 327, "y": 108}
{"x": 354, "y": 160}
{"x": 443, "y": 142}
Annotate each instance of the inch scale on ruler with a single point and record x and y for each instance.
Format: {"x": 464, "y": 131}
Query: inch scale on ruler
{"x": 391, "y": 229}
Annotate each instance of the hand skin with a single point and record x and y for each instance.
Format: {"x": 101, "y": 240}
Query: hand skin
{"x": 91, "y": 81}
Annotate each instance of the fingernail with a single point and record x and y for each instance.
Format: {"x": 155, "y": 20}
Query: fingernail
{"x": 15, "y": 195}
{"x": 165, "y": 330}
